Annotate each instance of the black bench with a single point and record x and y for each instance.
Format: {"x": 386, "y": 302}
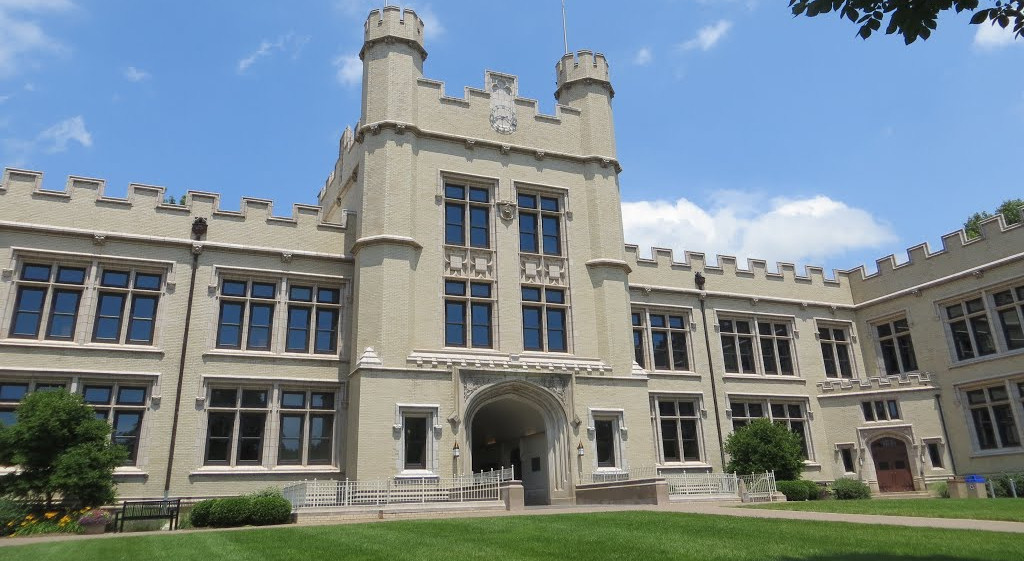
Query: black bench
{"x": 148, "y": 510}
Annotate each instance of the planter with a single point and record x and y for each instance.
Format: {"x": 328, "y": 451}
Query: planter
{"x": 92, "y": 529}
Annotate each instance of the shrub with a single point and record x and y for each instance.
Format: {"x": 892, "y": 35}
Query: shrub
{"x": 941, "y": 489}
{"x": 764, "y": 446}
{"x": 267, "y": 492}
{"x": 11, "y": 514}
{"x": 269, "y": 510}
{"x": 813, "y": 489}
{"x": 199, "y": 516}
{"x": 794, "y": 490}
{"x": 233, "y": 511}
{"x": 1001, "y": 484}
{"x": 845, "y": 489}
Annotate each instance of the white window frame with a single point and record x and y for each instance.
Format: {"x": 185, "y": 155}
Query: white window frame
{"x": 847, "y": 329}
{"x": 895, "y": 337}
{"x": 432, "y": 413}
{"x": 619, "y": 432}
{"x": 851, "y": 448}
{"x": 968, "y": 317}
{"x": 647, "y": 338}
{"x": 699, "y": 413}
{"x": 942, "y": 452}
{"x": 756, "y": 337}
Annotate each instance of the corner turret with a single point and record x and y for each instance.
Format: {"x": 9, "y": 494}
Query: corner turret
{"x": 584, "y": 83}
{"x": 392, "y": 56}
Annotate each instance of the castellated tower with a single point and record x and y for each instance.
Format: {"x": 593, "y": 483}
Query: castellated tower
{"x": 392, "y": 56}
{"x": 583, "y": 82}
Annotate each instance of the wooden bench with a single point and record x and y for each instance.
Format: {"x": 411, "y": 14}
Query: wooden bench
{"x": 148, "y": 510}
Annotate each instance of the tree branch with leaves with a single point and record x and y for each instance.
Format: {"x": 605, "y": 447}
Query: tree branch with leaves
{"x": 913, "y": 19}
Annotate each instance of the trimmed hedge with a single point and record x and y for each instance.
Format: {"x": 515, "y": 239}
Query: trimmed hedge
{"x": 260, "y": 509}
{"x": 1001, "y": 484}
{"x": 846, "y": 489}
{"x": 813, "y": 490}
{"x": 794, "y": 490}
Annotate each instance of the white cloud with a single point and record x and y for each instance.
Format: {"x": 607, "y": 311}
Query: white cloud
{"x": 990, "y": 37}
{"x": 643, "y": 57}
{"x": 350, "y": 70}
{"x": 708, "y": 36}
{"x": 285, "y": 43}
{"x": 133, "y": 74}
{"x": 23, "y": 38}
{"x": 747, "y": 225}
{"x": 57, "y": 137}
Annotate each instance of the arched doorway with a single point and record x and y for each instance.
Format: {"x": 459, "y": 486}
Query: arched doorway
{"x": 892, "y": 465}
{"x": 521, "y": 425}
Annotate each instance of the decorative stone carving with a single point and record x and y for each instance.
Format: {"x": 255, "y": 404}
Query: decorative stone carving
{"x": 286, "y": 257}
{"x": 557, "y": 384}
{"x": 507, "y": 210}
{"x": 99, "y": 239}
{"x": 543, "y": 269}
{"x": 503, "y": 110}
{"x": 470, "y": 262}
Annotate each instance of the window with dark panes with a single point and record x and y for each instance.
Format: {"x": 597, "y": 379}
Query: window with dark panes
{"x": 676, "y": 421}
{"x": 123, "y": 406}
{"x": 47, "y": 301}
{"x": 415, "y": 445}
{"x": 639, "y": 349}
{"x": 468, "y": 310}
{"x": 776, "y": 352}
{"x": 139, "y": 291}
{"x": 236, "y": 425}
{"x": 737, "y": 346}
{"x": 306, "y": 303}
{"x": 993, "y": 418}
{"x": 847, "y": 455}
{"x": 604, "y": 440}
{"x": 835, "y": 351}
{"x": 540, "y": 224}
{"x": 544, "y": 319}
{"x": 935, "y": 454}
{"x": 246, "y": 314}
{"x": 306, "y": 429}
{"x": 969, "y": 327}
{"x": 896, "y": 346}
{"x": 1010, "y": 310}
{"x": 467, "y": 216}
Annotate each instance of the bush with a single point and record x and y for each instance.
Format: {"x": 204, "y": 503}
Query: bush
{"x": 259, "y": 509}
{"x": 813, "y": 489}
{"x": 941, "y": 490}
{"x": 199, "y": 515}
{"x": 764, "y": 446}
{"x": 845, "y": 489}
{"x": 11, "y": 513}
{"x": 269, "y": 510}
{"x": 1001, "y": 484}
{"x": 794, "y": 490}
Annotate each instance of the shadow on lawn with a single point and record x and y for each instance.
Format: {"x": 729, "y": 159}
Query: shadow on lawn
{"x": 880, "y": 557}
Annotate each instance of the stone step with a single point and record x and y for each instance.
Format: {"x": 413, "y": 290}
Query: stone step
{"x": 904, "y": 495}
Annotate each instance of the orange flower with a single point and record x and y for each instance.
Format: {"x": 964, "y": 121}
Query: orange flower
{"x": 50, "y": 515}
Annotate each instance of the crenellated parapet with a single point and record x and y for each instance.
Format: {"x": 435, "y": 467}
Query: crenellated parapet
{"x": 393, "y": 24}
{"x": 960, "y": 256}
{"x": 756, "y": 279}
{"x": 584, "y": 67}
{"x": 85, "y": 206}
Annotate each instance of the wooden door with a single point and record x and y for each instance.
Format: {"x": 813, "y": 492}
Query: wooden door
{"x": 892, "y": 466}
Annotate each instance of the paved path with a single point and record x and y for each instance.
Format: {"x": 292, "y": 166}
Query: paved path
{"x": 710, "y": 508}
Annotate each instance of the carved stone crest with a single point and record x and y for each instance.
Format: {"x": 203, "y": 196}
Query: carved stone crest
{"x": 503, "y": 111}
{"x": 506, "y": 210}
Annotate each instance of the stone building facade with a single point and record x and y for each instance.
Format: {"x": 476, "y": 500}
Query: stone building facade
{"x": 464, "y": 285}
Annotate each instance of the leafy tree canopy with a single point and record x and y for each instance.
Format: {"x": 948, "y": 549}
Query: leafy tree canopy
{"x": 61, "y": 450}
{"x": 1010, "y": 209}
{"x": 764, "y": 446}
{"x": 913, "y": 19}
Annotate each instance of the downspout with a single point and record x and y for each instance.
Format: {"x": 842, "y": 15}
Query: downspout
{"x": 699, "y": 280}
{"x": 199, "y": 228}
{"x": 945, "y": 433}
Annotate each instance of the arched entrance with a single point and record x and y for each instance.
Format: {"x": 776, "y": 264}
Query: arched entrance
{"x": 892, "y": 465}
{"x": 521, "y": 425}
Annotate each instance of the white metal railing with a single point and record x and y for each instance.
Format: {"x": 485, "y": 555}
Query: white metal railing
{"x": 702, "y": 485}
{"x": 758, "y": 487}
{"x": 483, "y": 486}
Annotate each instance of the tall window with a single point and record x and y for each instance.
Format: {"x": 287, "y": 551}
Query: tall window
{"x": 123, "y": 406}
{"x": 415, "y": 430}
{"x": 992, "y": 417}
{"x": 468, "y": 310}
{"x": 676, "y": 424}
{"x": 667, "y": 335}
{"x": 307, "y": 427}
{"x": 881, "y": 410}
{"x": 789, "y": 414}
{"x": 239, "y": 300}
{"x": 313, "y": 315}
{"x": 236, "y": 422}
{"x": 136, "y": 291}
{"x": 773, "y": 354}
{"x": 604, "y": 441}
{"x": 968, "y": 323}
{"x": 835, "y": 350}
{"x": 544, "y": 319}
{"x": 1010, "y": 309}
{"x": 540, "y": 224}
{"x": 467, "y": 216}
{"x": 896, "y": 346}
{"x": 47, "y": 301}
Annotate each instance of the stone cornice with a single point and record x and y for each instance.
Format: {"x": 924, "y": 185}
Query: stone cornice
{"x": 609, "y": 263}
{"x": 385, "y": 239}
{"x": 401, "y": 128}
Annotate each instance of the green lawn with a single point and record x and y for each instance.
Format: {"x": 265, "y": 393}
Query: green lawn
{"x": 976, "y": 509}
{"x": 605, "y": 536}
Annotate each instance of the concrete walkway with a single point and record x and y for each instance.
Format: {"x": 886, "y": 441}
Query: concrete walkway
{"x": 708, "y": 508}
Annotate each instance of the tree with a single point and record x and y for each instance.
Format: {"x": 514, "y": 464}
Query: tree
{"x": 913, "y": 18}
{"x": 61, "y": 450}
{"x": 1010, "y": 209}
{"x": 765, "y": 446}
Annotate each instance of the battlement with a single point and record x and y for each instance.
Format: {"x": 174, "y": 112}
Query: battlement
{"x": 392, "y": 23}
{"x": 729, "y": 265}
{"x": 585, "y": 66}
{"x": 84, "y": 204}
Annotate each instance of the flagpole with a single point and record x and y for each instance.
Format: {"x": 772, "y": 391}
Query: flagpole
{"x": 565, "y": 36}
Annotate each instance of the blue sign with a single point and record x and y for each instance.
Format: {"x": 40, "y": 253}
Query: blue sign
{"x": 974, "y": 479}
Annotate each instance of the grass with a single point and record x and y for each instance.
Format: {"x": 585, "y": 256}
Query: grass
{"x": 605, "y": 536}
{"x": 1011, "y": 510}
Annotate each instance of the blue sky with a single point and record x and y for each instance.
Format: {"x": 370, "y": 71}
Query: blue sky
{"x": 741, "y": 130}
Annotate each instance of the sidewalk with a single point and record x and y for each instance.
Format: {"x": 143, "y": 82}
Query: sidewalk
{"x": 708, "y": 508}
